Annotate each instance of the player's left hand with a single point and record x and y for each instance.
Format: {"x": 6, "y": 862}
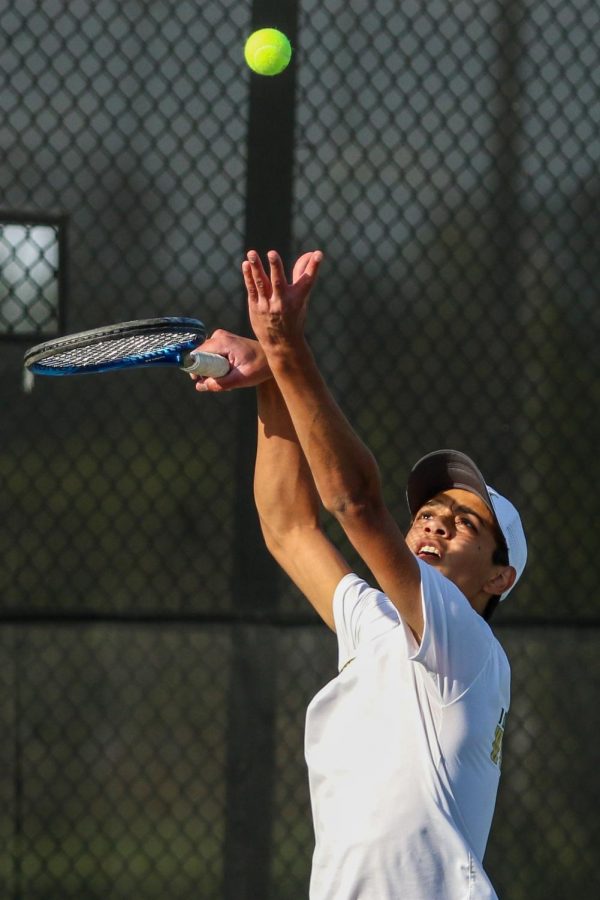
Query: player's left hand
{"x": 277, "y": 309}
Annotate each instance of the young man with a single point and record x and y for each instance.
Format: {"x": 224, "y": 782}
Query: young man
{"x": 404, "y": 746}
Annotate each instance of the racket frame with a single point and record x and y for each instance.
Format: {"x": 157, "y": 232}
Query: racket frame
{"x": 180, "y": 354}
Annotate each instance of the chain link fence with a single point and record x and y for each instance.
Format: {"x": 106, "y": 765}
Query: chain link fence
{"x": 155, "y": 666}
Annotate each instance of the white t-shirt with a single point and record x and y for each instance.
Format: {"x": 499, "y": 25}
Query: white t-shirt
{"x": 403, "y": 749}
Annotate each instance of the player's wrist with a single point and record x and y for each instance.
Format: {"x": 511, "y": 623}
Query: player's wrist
{"x": 287, "y": 355}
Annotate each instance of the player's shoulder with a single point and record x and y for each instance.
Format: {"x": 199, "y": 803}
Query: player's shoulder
{"x": 361, "y": 612}
{"x": 355, "y": 597}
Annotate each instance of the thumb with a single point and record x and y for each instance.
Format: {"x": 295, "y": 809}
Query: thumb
{"x": 306, "y": 263}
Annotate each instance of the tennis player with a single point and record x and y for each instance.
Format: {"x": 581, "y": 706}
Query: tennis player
{"x": 404, "y": 746}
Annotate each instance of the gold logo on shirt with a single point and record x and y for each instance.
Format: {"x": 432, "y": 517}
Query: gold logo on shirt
{"x": 496, "y": 754}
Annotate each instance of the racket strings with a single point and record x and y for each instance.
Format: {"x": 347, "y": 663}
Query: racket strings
{"x": 120, "y": 347}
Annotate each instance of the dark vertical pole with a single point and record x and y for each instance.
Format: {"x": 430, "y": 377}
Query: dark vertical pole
{"x": 506, "y": 297}
{"x": 18, "y": 847}
{"x": 251, "y": 750}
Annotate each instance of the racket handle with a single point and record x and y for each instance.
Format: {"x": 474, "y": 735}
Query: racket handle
{"x": 207, "y": 364}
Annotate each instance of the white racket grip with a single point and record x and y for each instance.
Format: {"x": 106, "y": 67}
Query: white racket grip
{"x": 208, "y": 364}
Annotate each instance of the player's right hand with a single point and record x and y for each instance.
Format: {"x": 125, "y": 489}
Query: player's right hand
{"x": 245, "y": 356}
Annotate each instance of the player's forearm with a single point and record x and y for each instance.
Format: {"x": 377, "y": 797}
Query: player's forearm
{"x": 344, "y": 470}
{"x": 285, "y": 494}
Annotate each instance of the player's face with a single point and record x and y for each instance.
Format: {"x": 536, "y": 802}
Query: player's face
{"x": 455, "y": 533}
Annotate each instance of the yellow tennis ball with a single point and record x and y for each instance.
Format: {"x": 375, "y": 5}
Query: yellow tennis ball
{"x": 267, "y": 51}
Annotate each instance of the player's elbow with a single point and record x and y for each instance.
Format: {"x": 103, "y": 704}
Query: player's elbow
{"x": 285, "y": 544}
{"x": 272, "y": 537}
{"x": 277, "y": 535}
{"x": 359, "y": 505}
{"x": 353, "y": 491}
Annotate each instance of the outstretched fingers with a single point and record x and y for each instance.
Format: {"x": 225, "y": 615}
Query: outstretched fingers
{"x": 257, "y": 282}
{"x": 277, "y": 273}
{"x": 262, "y": 286}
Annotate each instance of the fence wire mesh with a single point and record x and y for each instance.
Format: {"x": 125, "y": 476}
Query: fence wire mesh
{"x": 30, "y": 277}
{"x": 155, "y": 670}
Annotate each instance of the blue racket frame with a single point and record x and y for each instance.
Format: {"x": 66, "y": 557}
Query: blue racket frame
{"x": 174, "y": 354}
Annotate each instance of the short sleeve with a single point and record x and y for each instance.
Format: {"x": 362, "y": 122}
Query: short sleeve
{"x": 456, "y": 641}
{"x": 361, "y": 613}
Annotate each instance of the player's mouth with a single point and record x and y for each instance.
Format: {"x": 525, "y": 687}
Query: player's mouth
{"x": 429, "y": 553}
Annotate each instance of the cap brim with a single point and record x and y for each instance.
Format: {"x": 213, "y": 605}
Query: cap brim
{"x": 440, "y": 471}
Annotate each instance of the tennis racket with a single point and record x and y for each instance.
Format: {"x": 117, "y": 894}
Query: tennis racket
{"x": 166, "y": 341}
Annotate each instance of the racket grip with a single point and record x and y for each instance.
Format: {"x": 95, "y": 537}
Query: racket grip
{"x": 207, "y": 364}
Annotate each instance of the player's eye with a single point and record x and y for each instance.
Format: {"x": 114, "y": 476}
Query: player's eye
{"x": 468, "y": 523}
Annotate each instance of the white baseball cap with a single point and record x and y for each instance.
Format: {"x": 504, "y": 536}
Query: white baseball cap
{"x": 445, "y": 469}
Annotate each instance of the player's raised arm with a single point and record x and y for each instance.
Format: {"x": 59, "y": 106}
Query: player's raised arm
{"x": 345, "y": 473}
{"x": 288, "y": 506}
{"x": 286, "y": 498}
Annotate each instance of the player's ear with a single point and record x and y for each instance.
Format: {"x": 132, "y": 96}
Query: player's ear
{"x": 501, "y": 581}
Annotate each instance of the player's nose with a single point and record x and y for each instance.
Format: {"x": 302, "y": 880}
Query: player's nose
{"x": 440, "y": 525}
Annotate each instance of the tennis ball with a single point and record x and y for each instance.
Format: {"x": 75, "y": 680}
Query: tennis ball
{"x": 267, "y": 51}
